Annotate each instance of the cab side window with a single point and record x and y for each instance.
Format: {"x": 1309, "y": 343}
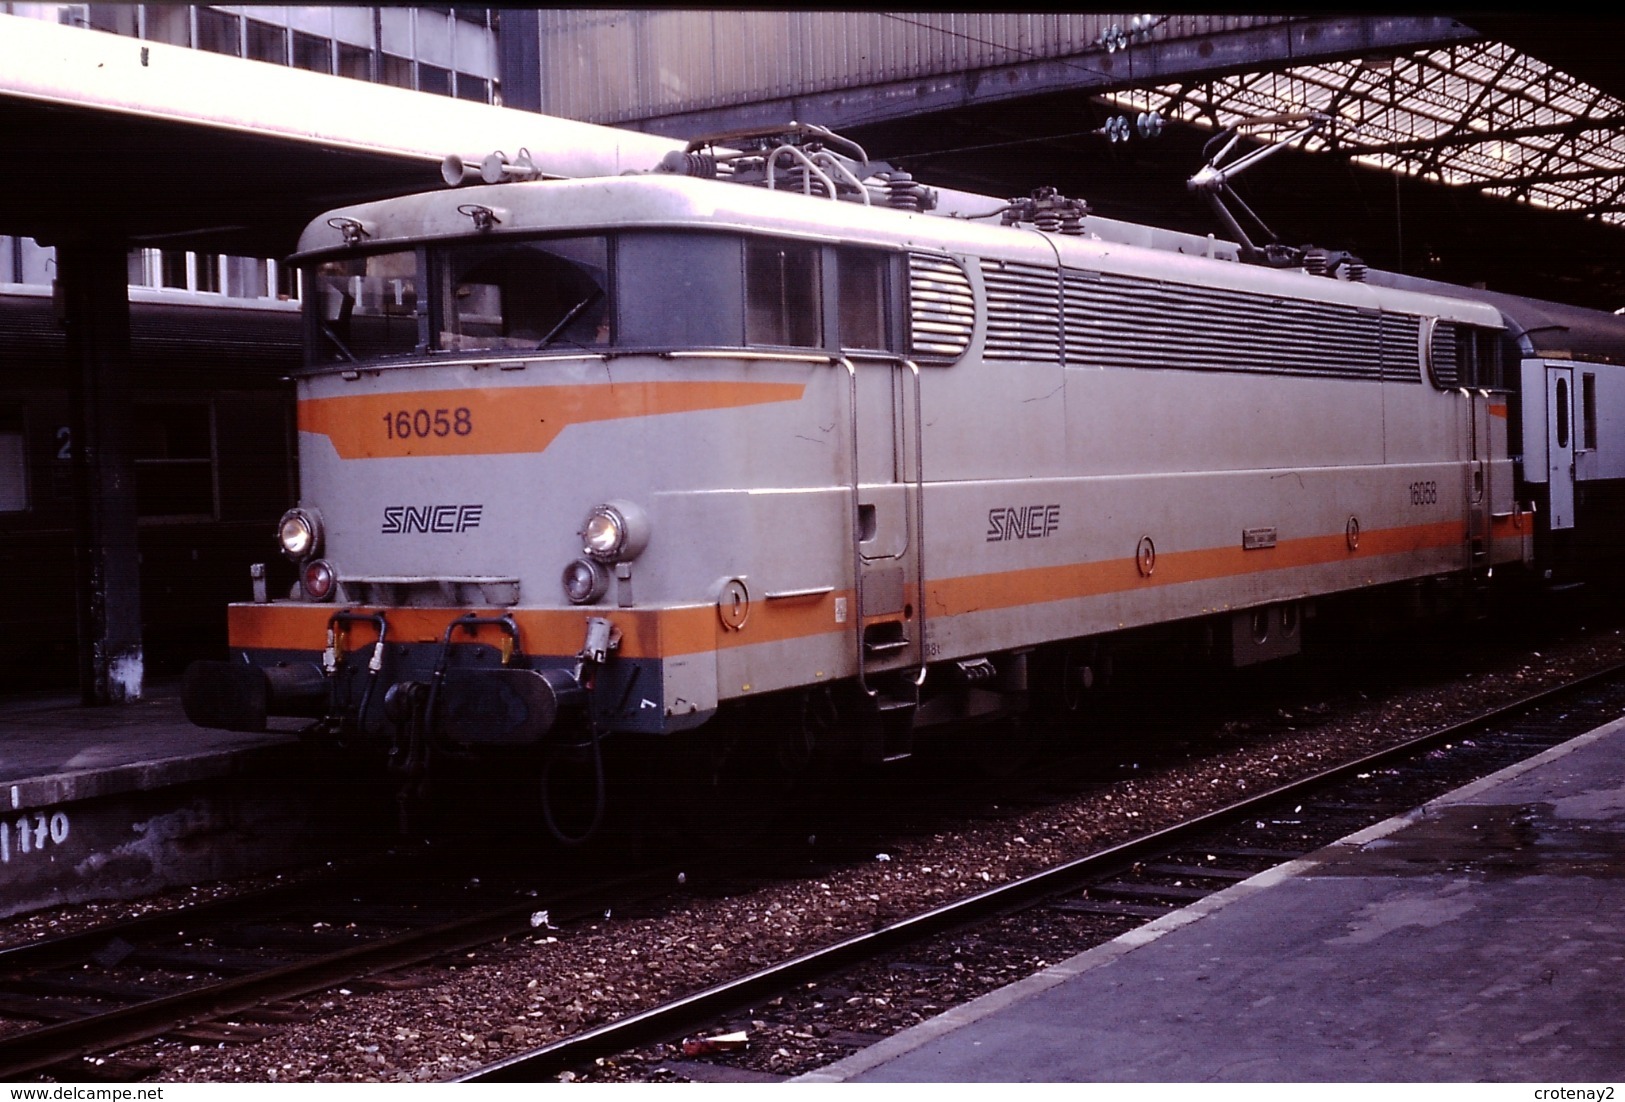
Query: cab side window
{"x": 782, "y": 301}
{"x": 865, "y": 298}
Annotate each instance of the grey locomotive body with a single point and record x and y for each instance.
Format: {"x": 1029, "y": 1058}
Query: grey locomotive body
{"x": 610, "y": 455}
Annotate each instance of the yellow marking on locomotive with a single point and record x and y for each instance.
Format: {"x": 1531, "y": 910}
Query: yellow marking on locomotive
{"x": 508, "y": 420}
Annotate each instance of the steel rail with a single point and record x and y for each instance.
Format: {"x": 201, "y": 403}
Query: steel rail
{"x": 672, "y": 1019}
{"x": 35, "y": 1050}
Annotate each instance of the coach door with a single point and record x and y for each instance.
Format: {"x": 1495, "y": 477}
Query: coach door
{"x": 1560, "y": 446}
{"x": 886, "y": 517}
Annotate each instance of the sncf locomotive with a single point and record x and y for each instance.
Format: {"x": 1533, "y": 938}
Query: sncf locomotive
{"x": 770, "y": 425}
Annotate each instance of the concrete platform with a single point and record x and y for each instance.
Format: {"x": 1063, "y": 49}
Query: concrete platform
{"x": 1479, "y": 938}
{"x": 114, "y": 802}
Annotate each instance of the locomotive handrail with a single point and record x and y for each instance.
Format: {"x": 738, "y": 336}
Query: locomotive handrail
{"x": 855, "y": 524}
{"x": 747, "y": 354}
{"x": 919, "y": 518}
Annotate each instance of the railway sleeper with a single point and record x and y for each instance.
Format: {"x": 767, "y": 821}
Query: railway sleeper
{"x": 1123, "y": 889}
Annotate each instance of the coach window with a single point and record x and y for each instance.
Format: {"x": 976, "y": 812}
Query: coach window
{"x": 173, "y": 456}
{"x": 864, "y": 298}
{"x": 13, "y": 462}
{"x": 781, "y": 294}
{"x": 1588, "y": 411}
{"x": 1560, "y": 404}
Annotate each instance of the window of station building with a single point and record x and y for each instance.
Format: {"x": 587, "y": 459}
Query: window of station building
{"x": 173, "y": 456}
{"x": 267, "y": 42}
{"x": 782, "y": 294}
{"x": 434, "y": 80}
{"x": 167, "y": 23}
{"x": 121, "y": 19}
{"x": 219, "y": 32}
{"x": 354, "y": 62}
{"x": 395, "y": 70}
{"x": 313, "y": 52}
{"x": 473, "y": 88}
{"x": 865, "y": 298}
{"x": 13, "y": 461}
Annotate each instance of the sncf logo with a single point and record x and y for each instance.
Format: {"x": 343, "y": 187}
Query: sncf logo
{"x": 430, "y": 518}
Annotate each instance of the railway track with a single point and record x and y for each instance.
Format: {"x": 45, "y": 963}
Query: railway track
{"x": 222, "y": 972}
{"x": 1137, "y": 880}
{"x": 65, "y": 1000}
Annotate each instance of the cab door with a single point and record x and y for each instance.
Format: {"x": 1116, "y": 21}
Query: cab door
{"x": 885, "y": 425}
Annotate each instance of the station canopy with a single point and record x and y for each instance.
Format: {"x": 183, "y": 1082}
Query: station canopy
{"x": 1481, "y": 115}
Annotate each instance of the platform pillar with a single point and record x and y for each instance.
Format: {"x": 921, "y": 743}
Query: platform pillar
{"x": 93, "y": 289}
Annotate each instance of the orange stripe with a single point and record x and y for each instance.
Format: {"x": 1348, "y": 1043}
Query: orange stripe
{"x": 1498, "y": 409}
{"x": 504, "y": 420}
{"x": 1515, "y": 526}
{"x": 645, "y": 633}
{"x": 956, "y": 596}
{"x": 691, "y": 629}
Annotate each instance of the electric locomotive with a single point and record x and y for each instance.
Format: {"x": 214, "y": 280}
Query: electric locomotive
{"x": 604, "y": 457}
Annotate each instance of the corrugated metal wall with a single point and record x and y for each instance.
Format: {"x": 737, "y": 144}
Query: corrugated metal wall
{"x": 616, "y": 66}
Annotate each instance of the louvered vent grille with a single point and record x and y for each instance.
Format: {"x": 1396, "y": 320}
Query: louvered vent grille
{"x": 1113, "y": 321}
{"x": 1023, "y": 307}
{"x": 1446, "y": 369}
{"x": 942, "y": 309}
{"x": 1400, "y": 336}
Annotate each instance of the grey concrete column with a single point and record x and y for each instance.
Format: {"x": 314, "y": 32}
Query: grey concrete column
{"x": 93, "y": 284}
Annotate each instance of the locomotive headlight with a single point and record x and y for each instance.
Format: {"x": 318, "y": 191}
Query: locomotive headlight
{"x": 300, "y": 533}
{"x": 616, "y": 531}
{"x": 585, "y": 581}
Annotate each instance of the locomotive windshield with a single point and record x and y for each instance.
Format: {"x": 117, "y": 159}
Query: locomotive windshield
{"x": 461, "y": 297}
{"x": 670, "y": 289}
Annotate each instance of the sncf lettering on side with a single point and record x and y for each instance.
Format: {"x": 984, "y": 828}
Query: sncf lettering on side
{"x": 1022, "y": 522}
{"x": 399, "y": 519}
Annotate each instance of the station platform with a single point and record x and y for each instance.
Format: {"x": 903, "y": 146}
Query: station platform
{"x": 121, "y": 801}
{"x": 1480, "y": 938}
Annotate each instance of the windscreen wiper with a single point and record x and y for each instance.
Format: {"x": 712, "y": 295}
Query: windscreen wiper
{"x": 571, "y": 315}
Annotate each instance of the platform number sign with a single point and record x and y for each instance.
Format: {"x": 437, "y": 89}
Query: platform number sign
{"x": 32, "y": 832}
